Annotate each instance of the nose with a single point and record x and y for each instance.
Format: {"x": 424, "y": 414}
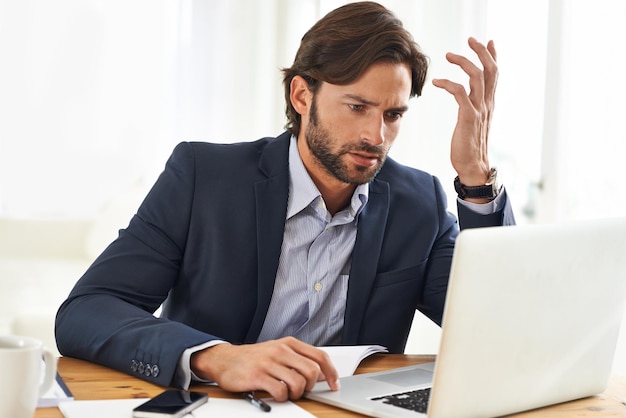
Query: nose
{"x": 373, "y": 131}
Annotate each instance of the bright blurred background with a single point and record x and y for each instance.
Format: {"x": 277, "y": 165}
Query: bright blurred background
{"x": 94, "y": 95}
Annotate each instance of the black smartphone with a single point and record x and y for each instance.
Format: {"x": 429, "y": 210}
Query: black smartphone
{"x": 171, "y": 404}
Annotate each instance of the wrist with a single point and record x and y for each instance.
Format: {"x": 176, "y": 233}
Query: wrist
{"x": 475, "y": 175}
{"x": 205, "y": 363}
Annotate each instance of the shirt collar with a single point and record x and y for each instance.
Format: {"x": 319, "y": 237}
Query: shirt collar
{"x": 303, "y": 192}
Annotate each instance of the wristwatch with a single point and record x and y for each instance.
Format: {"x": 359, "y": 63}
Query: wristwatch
{"x": 488, "y": 191}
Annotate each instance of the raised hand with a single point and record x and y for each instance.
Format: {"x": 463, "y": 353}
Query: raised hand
{"x": 469, "y": 148}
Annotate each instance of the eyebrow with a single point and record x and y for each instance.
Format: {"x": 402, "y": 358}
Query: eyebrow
{"x": 368, "y": 102}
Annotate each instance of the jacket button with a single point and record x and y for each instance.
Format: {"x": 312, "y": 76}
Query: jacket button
{"x": 148, "y": 370}
{"x": 141, "y": 368}
{"x": 155, "y": 370}
{"x": 133, "y": 365}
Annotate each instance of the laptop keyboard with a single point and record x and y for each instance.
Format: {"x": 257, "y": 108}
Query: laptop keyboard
{"x": 415, "y": 400}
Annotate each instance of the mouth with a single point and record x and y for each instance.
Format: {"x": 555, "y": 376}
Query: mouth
{"x": 364, "y": 159}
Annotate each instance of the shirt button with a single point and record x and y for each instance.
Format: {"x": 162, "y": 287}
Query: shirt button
{"x": 318, "y": 286}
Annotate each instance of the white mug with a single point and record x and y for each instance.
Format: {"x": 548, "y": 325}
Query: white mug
{"x": 21, "y": 383}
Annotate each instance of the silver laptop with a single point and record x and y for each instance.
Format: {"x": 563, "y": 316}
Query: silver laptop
{"x": 532, "y": 319}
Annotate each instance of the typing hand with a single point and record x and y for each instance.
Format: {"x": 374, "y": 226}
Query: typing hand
{"x": 470, "y": 138}
{"x": 284, "y": 368}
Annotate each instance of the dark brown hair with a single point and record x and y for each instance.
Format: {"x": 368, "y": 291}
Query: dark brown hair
{"x": 344, "y": 43}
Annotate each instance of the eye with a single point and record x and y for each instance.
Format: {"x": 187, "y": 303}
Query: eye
{"x": 356, "y": 107}
{"x": 394, "y": 115}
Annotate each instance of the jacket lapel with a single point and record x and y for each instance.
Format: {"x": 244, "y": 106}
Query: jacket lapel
{"x": 271, "y": 209}
{"x": 369, "y": 239}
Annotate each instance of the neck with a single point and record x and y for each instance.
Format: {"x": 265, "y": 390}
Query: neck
{"x": 336, "y": 199}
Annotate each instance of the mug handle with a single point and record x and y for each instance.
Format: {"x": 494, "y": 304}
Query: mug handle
{"x": 50, "y": 361}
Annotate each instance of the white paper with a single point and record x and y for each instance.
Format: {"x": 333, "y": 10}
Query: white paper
{"x": 119, "y": 408}
{"x": 57, "y": 393}
{"x": 346, "y": 358}
{"x": 215, "y": 407}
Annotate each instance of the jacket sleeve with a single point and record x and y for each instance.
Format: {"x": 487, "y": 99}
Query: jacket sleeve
{"x": 433, "y": 302}
{"x": 108, "y": 316}
{"x": 503, "y": 216}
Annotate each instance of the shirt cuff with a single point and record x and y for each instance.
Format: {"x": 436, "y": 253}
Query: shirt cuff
{"x": 486, "y": 208}
{"x": 184, "y": 375}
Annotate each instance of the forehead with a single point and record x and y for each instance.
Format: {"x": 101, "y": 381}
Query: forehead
{"x": 384, "y": 83}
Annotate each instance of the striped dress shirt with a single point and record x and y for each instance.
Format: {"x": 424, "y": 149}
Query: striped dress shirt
{"x": 309, "y": 298}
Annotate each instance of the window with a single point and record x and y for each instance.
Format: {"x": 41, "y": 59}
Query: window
{"x": 97, "y": 94}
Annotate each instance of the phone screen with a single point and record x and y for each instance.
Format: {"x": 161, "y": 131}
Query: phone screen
{"x": 171, "y": 403}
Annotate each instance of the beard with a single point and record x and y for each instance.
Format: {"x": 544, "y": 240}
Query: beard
{"x": 320, "y": 141}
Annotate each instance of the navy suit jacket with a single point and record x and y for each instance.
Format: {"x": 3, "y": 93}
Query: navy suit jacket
{"x": 206, "y": 241}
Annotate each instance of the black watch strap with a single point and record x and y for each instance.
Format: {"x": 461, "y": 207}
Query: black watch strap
{"x": 489, "y": 190}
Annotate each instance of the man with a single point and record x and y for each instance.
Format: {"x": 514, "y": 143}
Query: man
{"x": 261, "y": 251}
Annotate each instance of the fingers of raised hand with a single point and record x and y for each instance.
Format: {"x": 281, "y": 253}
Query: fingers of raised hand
{"x": 482, "y": 81}
{"x": 487, "y": 56}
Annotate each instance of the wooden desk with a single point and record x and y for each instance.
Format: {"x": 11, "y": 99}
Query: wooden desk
{"x": 90, "y": 381}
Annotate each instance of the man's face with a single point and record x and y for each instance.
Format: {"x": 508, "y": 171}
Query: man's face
{"x": 350, "y": 128}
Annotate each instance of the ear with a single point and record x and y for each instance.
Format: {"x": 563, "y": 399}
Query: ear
{"x": 300, "y": 95}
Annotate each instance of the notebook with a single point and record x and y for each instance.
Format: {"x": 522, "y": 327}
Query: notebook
{"x": 532, "y": 319}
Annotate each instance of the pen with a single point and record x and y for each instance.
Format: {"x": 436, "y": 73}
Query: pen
{"x": 249, "y": 396}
